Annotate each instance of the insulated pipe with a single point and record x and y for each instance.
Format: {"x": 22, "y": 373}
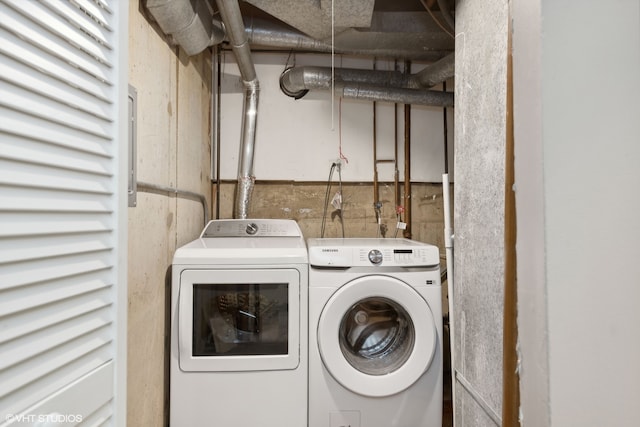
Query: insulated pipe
{"x": 312, "y": 76}
{"x": 429, "y": 47}
{"x": 300, "y": 78}
{"x": 190, "y": 24}
{"x": 385, "y": 86}
{"x": 399, "y": 95}
{"x": 295, "y": 82}
{"x": 438, "y": 72}
{"x": 232, "y": 18}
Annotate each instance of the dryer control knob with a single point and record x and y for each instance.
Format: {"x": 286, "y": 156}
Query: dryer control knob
{"x": 252, "y": 228}
{"x": 375, "y": 256}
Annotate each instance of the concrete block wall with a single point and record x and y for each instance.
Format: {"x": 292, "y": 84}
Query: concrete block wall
{"x": 173, "y": 150}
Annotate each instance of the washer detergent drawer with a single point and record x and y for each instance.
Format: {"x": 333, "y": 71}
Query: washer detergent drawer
{"x": 239, "y": 320}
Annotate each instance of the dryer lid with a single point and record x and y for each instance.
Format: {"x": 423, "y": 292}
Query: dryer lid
{"x": 376, "y": 336}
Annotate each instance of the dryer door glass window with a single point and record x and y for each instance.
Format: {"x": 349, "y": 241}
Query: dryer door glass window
{"x": 376, "y": 336}
{"x": 240, "y": 319}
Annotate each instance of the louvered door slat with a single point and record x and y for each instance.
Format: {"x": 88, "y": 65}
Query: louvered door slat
{"x": 62, "y": 103}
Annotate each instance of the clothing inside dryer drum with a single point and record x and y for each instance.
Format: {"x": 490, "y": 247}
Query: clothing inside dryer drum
{"x": 376, "y": 336}
{"x": 240, "y": 319}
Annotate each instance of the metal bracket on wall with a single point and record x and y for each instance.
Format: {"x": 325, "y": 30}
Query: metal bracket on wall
{"x": 132, "y": 187}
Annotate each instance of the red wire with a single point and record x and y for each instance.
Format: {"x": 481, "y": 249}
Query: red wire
{"x": 342, "y": 156}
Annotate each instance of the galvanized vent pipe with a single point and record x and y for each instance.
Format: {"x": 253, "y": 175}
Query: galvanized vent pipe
{"x": 190, "y": 24}
{"x": 384, "y": 86}
{"x": 234, "y": 25}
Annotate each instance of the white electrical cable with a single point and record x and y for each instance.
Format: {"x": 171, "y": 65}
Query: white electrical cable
{"x": 448, "y": 244}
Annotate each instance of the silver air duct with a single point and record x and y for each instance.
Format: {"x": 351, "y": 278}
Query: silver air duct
{"x": 378, "y": 42}
{"x": 372, "y": 85}
{"x": 189, "y": 22}
{"x": 232, "y": 19}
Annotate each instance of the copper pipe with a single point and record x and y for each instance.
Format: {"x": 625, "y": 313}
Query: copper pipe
{"x": 407, "y": 164}
{"x": 376, "y": 190}
{"x": 396, "y": 173}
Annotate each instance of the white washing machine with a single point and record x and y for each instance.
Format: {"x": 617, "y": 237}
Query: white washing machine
{"x": 375, "y": 333}
{"x": 239, "y": 299}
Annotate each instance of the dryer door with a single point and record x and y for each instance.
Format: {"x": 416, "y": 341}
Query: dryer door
{"x": 376, "y": 335}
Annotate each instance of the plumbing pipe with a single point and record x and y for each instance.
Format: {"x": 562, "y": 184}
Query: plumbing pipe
{"x": 407, "y": 170}
{"x": 147, "y": 187}
{"x": 448, "y": 245}
{"x": 446, "y": 133}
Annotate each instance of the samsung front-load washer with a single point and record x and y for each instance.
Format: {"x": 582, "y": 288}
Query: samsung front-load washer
{"x": 375, "y": 333}
{"x": 239, "y": 327}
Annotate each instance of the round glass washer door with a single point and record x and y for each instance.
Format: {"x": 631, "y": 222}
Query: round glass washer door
{"x": 376, "y": 336}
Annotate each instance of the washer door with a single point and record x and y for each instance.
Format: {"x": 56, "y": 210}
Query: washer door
{"x": 376, "y": 336}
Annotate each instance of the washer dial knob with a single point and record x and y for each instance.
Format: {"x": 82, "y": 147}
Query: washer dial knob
{"x": 375, "y": 256}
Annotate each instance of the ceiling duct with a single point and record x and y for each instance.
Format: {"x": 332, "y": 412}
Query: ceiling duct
{"x": 373, "y": 85}
{"x": 232, "y": 19}
{"x": 314, "y": 17}
{"x": 400, "y": 35}
{"x": 189, "y": 22}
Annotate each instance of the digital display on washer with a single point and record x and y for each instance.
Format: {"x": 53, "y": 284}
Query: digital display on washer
{"x": 240, "y": 319}
{"x": 403, "y": 251}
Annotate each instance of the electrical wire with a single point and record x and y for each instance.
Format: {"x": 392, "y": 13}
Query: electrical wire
{"x": 341, "y": 200}
{"x": 326, "y": 199}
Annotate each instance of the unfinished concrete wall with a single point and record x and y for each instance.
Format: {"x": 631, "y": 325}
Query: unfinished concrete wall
{"x": 173, "y": 93}
{"x": 480, "y": 116}
{"x": 304, "y": 202}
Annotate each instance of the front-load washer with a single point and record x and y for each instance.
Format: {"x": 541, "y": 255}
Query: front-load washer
{"x": 239, "y": 298}
{"x": 375, "y": 333}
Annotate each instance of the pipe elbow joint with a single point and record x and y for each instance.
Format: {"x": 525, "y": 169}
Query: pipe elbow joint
{"x": 288, "y": 88}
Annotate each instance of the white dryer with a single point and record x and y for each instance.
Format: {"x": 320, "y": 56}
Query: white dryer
{"x": 375, "y": 333}
{"x": 239, "y": 298}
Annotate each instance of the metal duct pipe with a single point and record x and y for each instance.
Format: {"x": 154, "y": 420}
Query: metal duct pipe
{"x": 385, "y": 86}
{"x": 308, "y": 77}
{"x": 399, "y": 95}
{"x": 267, "y": 35}
{"x": 232, "y": 19}
{"x": 189, "y": 23}
{"x": 435, "y": 73}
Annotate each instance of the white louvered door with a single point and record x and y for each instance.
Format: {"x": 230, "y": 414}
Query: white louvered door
{"x": 62, "y": 212}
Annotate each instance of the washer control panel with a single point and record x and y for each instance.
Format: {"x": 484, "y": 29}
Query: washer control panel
{"x": 378, "y": 252}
